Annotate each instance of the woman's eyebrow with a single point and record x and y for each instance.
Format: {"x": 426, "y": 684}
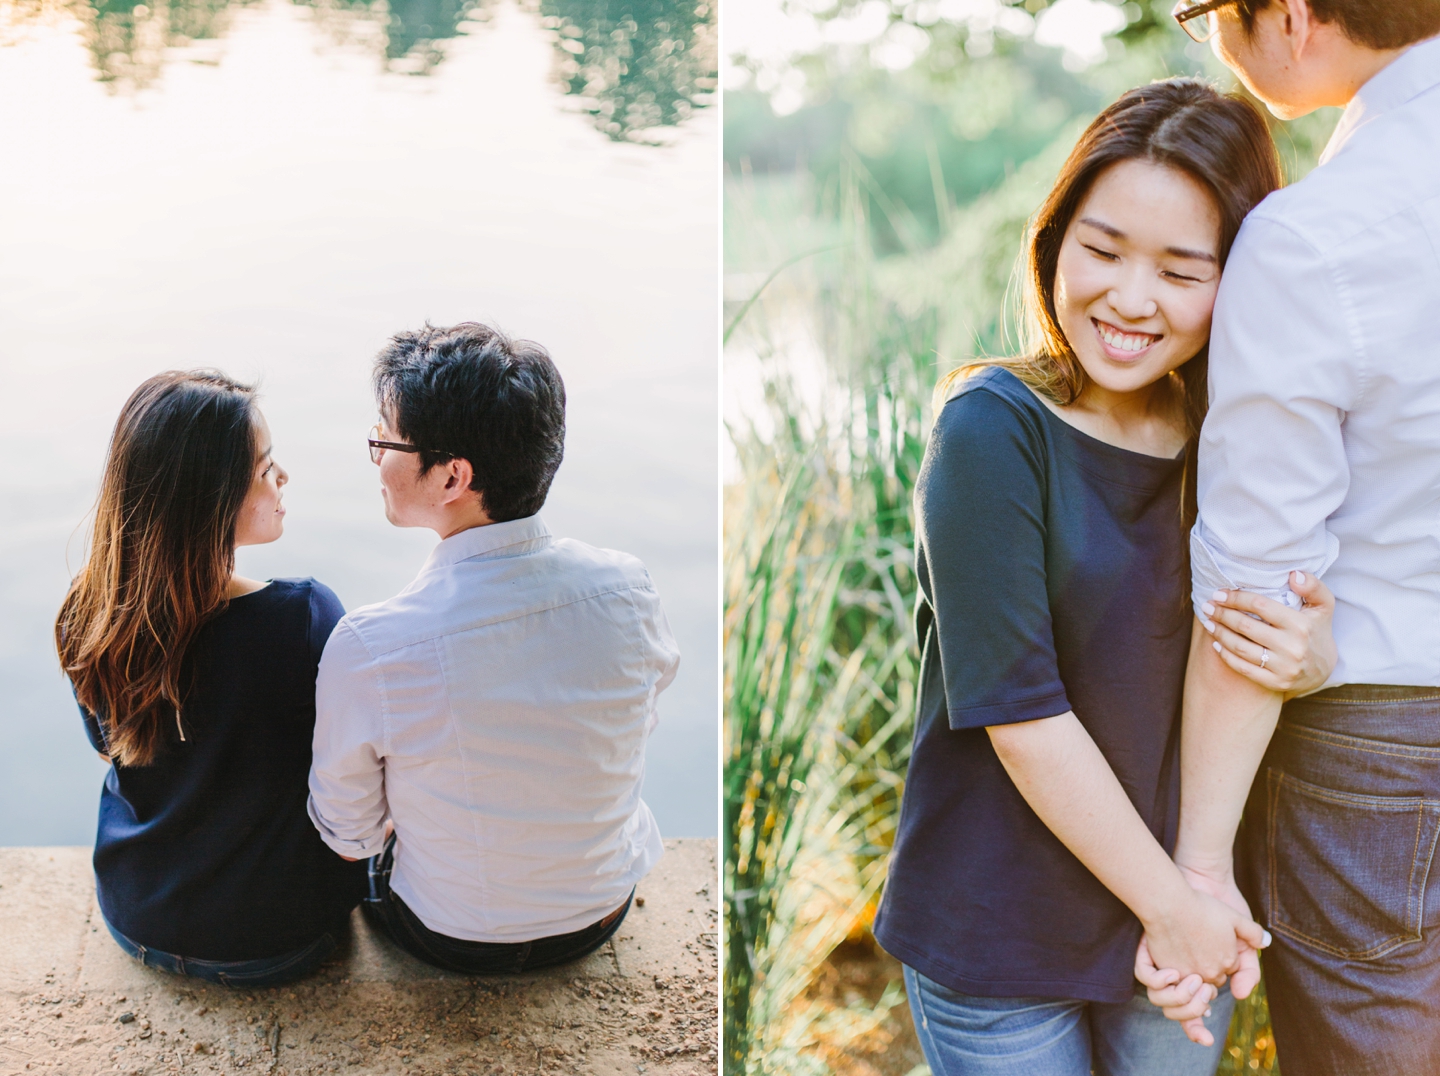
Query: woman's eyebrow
{"x": 1198, "y": 255}
{"x": 1109, "y": 229}
{"x": 1177, "y": 252}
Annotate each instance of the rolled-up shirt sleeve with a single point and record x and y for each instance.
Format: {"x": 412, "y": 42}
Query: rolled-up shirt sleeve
{"x": 980, "y": 517}
{"x": 347, "y": 773}
{"x": 1284, "y": 370}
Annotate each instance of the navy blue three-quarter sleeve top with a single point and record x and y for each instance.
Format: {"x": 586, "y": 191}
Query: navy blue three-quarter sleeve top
{"x": 1053, "y": 577}
{"x": 208, "y": 852}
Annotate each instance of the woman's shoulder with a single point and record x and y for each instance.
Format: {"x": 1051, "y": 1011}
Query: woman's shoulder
{"x": 308, "y": 605}
{"x": 294, "y": 590}
{"x": 304, "y": 595}
{"x": 988, "y": 401}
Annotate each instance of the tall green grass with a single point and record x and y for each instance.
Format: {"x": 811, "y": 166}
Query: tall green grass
{"x": 820, "y": 657}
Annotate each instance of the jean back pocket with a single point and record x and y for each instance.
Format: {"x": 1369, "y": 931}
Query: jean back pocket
{"x": 1347, "y": 872}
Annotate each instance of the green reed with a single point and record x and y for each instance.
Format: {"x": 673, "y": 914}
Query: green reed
{"x": 820, "y": 659}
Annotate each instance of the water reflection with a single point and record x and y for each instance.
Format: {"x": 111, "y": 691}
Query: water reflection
{"x": 636, "y": 64}
{"x": 409, "y": 32}
{"x": 128, "y": 41}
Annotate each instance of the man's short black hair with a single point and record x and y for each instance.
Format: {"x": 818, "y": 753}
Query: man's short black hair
{"x": 470, "y": 392}
{"x": 1376, "y": 24}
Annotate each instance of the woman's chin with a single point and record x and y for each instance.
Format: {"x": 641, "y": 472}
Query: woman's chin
{"x": 1122, "y": 378}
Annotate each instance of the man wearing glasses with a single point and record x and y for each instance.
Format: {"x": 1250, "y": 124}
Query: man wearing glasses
{"x": 480, "y": 737}
{"x": 1321, "y": 453}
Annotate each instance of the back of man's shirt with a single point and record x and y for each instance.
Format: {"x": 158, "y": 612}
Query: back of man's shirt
{"x": 1321, "y": 450}
{"x": 498, "y": 709}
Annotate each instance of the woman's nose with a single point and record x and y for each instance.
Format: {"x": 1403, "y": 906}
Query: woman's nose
{"x": 281, "y": 475}
{"x": 1131, "y": 304}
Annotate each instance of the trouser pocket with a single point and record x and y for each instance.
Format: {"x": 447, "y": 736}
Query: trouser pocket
{"x": 1347, "y": 872}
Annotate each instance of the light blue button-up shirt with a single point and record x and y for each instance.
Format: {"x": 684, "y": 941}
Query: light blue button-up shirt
{"x": 498, "y": 709}
{"x": 1321, "y": 450}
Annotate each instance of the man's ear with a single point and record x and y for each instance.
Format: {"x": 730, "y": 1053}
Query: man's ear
{"x": 458, "y": 476}
{"x": 1300, "y": 25}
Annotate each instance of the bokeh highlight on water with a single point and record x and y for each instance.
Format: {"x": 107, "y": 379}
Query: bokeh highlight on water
{"x": 273, "y": 188}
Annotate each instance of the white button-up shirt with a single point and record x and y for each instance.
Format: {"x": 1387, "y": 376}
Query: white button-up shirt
{"x": 1321, "y": 450}
{"x": 497, "y": 709}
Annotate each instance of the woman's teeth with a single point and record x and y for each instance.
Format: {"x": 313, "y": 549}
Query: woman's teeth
{"x": 1125, "y": 341}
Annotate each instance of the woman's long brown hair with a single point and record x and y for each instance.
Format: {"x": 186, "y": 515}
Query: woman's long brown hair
{"x": 162, "y": 551}
{"x": 1222, "y": 142}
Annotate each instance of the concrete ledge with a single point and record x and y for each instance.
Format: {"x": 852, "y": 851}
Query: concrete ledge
{"x": 72, "y": 1003}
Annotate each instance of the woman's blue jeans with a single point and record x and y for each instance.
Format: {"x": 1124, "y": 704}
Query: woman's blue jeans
{"x": 1335, "y": 855}
{"x": 964, "y": 1035}
{"x": 241, "y": 974}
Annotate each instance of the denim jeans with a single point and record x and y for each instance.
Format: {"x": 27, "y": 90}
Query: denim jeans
{"x": 1334, "y": 855}
{"x": 963, "y": 1035}
{"x": 241, "y": 974}
{"x": 393, "y": 916}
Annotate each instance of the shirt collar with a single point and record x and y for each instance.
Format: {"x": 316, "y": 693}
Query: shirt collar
{"x": 1409, "y": 75}
{"x": 511, "y": 538}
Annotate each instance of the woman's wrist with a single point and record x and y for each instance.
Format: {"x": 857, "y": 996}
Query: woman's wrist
{"x": 1214, "y": 866}
{"x": 1163, "y": 906}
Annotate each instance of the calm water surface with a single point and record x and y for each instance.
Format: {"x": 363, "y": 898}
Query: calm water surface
{"x": 274, "y": 188}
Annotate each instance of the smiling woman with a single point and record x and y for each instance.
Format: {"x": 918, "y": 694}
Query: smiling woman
{"x": 1135, "y": 283}
{"x": 1140, "y": 219}
{"x": 1040, "y": 804}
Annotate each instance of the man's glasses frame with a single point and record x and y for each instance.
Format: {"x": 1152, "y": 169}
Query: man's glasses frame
{"x": 1187, "y": 12}
{"x": 378, "y": 447}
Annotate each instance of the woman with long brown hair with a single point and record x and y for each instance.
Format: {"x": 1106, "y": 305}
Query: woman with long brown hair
{"x": 198, "y": 685}
{"x": 1052, "y": 513}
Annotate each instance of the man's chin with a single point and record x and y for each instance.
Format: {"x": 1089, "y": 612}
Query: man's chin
{"x": 1282, "y": 111}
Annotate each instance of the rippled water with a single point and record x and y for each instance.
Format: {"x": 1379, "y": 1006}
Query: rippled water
{"x": 635, "y": 66}
{"x": 273, "y": 188}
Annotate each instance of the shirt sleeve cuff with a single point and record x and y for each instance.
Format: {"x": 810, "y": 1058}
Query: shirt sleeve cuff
{"x": 1211, "y": 570}
{"x": 1049, "y": 704}
{"x": 372, "y": 844}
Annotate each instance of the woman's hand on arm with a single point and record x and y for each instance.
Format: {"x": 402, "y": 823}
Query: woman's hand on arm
{"x": 1297, "y": 646}
{"x": 1067, "y": 782}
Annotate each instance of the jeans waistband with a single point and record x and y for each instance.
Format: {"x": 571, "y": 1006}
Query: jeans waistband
{"x": 1373, "y": 693}
{"x": 1391, "y": 713}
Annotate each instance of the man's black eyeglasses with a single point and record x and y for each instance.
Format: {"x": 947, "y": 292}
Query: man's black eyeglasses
{"x": 1197, "y": 17}
{"x": 378, "y": 447}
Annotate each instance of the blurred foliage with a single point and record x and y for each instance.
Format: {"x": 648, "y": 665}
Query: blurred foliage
{"x": 872, "y": 237}
{"x": 638, "y": 64}
{"x": 972, "y": 130}
{"x": 980, "y": 98}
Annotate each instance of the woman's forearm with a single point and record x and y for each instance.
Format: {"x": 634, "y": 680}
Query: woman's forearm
{"x": 1067, "y": 782}
{"x": 1228, "y": 722}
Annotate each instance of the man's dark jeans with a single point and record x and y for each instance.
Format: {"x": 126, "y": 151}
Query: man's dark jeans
{"x": 241, "y": 974}
{"x": 393, "y": 916}
{"x": 1334, "y": 856}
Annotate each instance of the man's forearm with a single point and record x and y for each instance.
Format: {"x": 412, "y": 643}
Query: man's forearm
{"x": 1227, "y": 724}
